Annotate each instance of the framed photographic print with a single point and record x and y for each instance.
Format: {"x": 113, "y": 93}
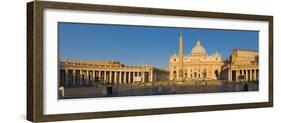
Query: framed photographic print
{"x": 96, "y": 61}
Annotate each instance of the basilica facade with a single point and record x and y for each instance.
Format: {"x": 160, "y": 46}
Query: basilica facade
{"x": 199, "y": 65}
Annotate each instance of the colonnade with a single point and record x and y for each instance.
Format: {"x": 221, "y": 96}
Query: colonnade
{"x": 74, "y": 77}
{"x": 243, "y": 74}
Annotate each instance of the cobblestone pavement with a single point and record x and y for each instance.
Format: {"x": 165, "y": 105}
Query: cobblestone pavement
{"x": 160, "y": 89}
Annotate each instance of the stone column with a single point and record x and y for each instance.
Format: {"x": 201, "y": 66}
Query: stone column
{"x": 120, "y": 77}
{"x": 257, "y": 74}
{"x": 237, "y": 75}
{"x": 66, "y": 77}
{"x": 93, "y": 75}
{"x": 87, "y": 77}
{"x": 244, "y": 74}
{"x": 115, "y": 76}
{"x": 229, "y": 75}
{"x": 110, "y": 77}
{"x": 129, "y": 79}
{"x": 134, "y": 74}
{"x": 90, "y": 76}
{"x": 151, "y": 76}
{"x": 219, "y": 74}
{"x": 80, "y": 77}
{"x": 247, "y": 78}
{"x": 251, "y": 75}
{"x": 99, "y": 75}
{"x": 125, "y": 77}
{"x": 104, "y": 77}
{"x": 74, "y": 78}
{"x": 143, "y": 76}
{"x": 254, "y": 75}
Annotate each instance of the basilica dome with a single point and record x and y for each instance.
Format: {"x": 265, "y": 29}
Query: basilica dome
{"x": 198, "y": 50}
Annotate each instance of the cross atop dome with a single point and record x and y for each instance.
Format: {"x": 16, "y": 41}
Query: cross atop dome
{"x": 198, "y": 43}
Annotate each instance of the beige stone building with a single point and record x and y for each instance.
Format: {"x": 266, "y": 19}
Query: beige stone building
{"x": 242, "y": 65}
{"x": 199, "y": 65}
{"x": 85, "y": 73}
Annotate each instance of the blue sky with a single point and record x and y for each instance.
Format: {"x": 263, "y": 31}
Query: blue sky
{"x": 138, "y": 45}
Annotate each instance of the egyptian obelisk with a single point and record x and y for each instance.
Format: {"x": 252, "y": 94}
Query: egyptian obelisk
{"x": 181, "y": 54}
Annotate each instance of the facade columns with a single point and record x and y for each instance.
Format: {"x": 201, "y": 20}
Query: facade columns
{"x": 219, "y": 74}
{"x": 125, "y": 77}
{"x": 99, "y": 75}
{"x": 129, "y": 76}
{"x": 80, "y": 77}
{"x": 74, "y": 78}
{"x": 115, "y": 76}
{"x": 120, "y": 76}
{"x": 151, "y": 76}
{"x": 66, "y": 77}
{"x": 87, "y": 77}
{"x": 84, "y": 77}
{"x": 237, "y": 75}
{"x": 143, "y": 77}
{"x": 251, "y": 75}
{"x": 104, "y": 77}
{"x": 254, "y": 75}
{"x": 247, "y": 75}
{"x": 129, "y": 79}
{"x": 257, "y": 74}
{"x": 110, "y": 77}
{"x": 93, "y": 76}
{"x": 229, "y": 75}
{"x": 133, "y": 75}
{"x": 244, "y": 74}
